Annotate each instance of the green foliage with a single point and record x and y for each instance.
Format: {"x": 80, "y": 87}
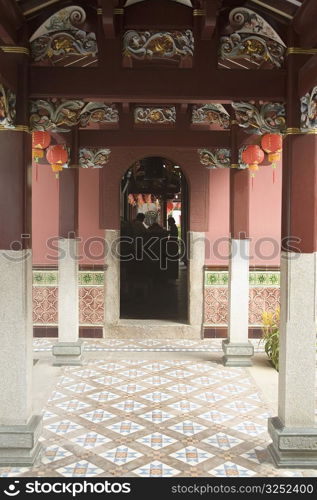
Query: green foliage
{"x": 271, "y": 336}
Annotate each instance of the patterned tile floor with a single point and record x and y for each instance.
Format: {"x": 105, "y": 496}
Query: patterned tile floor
{"x": 140, "y": 345}
{"x": 154, "y": 417}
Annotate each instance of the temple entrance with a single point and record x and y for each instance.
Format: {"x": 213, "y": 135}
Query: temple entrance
{"x": 154, "y": 225}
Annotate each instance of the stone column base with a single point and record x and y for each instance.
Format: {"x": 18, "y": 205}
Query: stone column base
{"x": 67, "y": 353}
{"x": 292, "y": 447}
{"x": 19, "y": 445}
{"x": 237, "y": 354}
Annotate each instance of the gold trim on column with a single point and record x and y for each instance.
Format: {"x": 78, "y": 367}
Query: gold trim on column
{"x": 198, "y": 12}
{"x": 15, "y": 49}
{"x": 311, "y": 131}
{"x": 99, "y": 12}
{"x": 235, "y": 165}
{"x": 17, "y": 128}
{"x": 118, "y": 11}
{"x": 300, "y": 50}
{"x": 293, "y": 131}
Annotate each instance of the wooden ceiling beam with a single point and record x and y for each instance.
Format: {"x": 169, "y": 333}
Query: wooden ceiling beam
{"x": 304, "y": 24}
{"x": 151, "y": 86}
{"x": 176, "y": 138}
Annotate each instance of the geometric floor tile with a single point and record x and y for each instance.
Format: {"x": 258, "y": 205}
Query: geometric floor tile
{"x": 179, "y": 373}
{"x": 157, "y": 380}
{"x": 157, "y": 396}
{"x": 103, "y": 396}
{"x": 86, "y": 373}
{"x": 155, "y": 367}
{"x": 48, "y": 414}
{"x": 255, "y": 455}
{"x": 156, "y": 441}
{"x": 56, "y": 395}
{"x": 72, "y": 405}
{"x": 157, "y": 416}
{"x": 211, "y": 397}
{"x": 80, "y": 469}
{"x": 240, "y": 406}
{"x": 233, "y": 388}
{"x": 255, "y": 397}
{"x": 121, "y": 455}
{"x": 250, "y": 428}
{"x": 54, "y": 453}
{"x": 191, "y": 455}
{"x": 215, "y": 416}
{"x": 156, "y": 469}
{"x": 80, "y": 388}
{"x": 188, "y": 427}
{"x": 182, "y": 388}
{"x": 97, "y": 416}
{"x": 222, "y": 441}
{"x": 107, "y": 380}
{"x": 63, "y": 427}
{"x": 129, "y": 405}
{"x": 205, "y": 381}
{"x": 125, "y": 427}
{"x": 229, "y": 469}
{"x": 130, "y": 388}
{"x": 90, "y": 440}
{"x": 12, "y": 471}
{"x": 134, "y": 373}
{"x": 184, "y": 406}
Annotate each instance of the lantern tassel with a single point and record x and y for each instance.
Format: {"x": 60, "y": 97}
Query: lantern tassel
{"x": 36, "y": 172}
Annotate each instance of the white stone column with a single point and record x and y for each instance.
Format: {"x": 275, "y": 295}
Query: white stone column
{"x": 196, "y": 251}
{"x": 68, "y": 350}
{"x": 237, "y": 348}
{"x": 19, "y": 428}
{"x": 112, "y": 279}
{"x": 294, "y": 431}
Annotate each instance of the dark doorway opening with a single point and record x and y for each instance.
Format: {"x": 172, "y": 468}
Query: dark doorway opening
{"x": 154, "y": 224}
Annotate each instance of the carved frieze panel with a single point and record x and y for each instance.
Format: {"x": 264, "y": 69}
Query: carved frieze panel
{"x": 60, "y": 42}
{"x": 93, "y": 157}
{"x": 155, "y": 115}
{"x": 251, "y": 43}
{"x": 7, "y": 107}
{"x": 217, "y": 158}
{"x": 213, "y": 115}
{"x": 260, "y": 119}
{"x": 59, "y": 115}
{"x": 309, "y": 110}
{"x": 158, "y": 45}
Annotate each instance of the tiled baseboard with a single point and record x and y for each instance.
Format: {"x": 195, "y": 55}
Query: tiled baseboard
{"x": 52, "y": 331}
{"x": 96, "y": 332}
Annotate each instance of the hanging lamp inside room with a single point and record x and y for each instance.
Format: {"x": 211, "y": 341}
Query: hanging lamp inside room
{"x": 272, "y": 144}
{"x": 57, "y": 156}
{"x": 252, "y": 156}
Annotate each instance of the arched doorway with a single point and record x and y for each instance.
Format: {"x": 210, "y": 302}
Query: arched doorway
{"x": 154, "y": 226}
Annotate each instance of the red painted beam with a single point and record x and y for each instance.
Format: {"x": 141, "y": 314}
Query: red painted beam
{"x": 175, "y": 138}
{"x": 307, "y": 78}
{"x": 157, "y": 85}
{"x": 304, "y": 24}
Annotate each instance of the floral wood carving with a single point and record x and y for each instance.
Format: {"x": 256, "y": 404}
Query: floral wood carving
{"x": 7, "y": 107}
{"x": 218, "y": 158}
{"x": 149, "y": 45}
{"x": 60, "y": 42}
{"x": 155, "y": 115}
{"x": 93, "y": 158}
{"x": 252, "y": 39}
{"x": 267, "y": 117}
{"x": 210, "y": 114}
{"x": 60, "y": 115}
{"x": 309, "y": 110}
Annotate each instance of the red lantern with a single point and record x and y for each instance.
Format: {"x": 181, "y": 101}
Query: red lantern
{"x": 170, "y": 206}
{"x": 40, "y": 140}
{"x": 272, "y": 144}
{"x": 57, "y": 156}
{"x": 252, "y": 155}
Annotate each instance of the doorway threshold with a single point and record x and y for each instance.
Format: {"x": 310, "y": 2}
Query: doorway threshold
{"x": 152, "y": 329}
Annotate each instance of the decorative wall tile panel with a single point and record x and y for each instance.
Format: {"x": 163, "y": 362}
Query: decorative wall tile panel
{"x": 216, "y": 306}
{"x": 262, "y": 299}
{"x": 91, "y": 305}
{"x": 45, "y": 305}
